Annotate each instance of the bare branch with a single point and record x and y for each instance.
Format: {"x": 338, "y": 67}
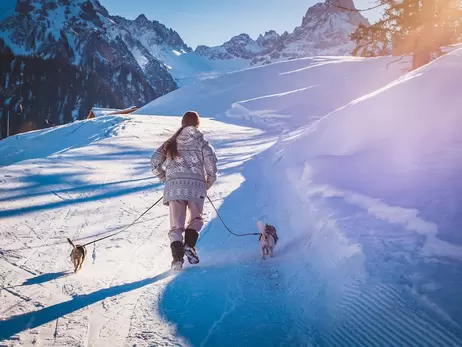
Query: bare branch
{"x": 358, "y": 10}
{"x": 398, "y": 60}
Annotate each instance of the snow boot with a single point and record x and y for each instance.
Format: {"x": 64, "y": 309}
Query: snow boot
{"x": 190, "y": 237}
{"x": 177, "y": 265}
{"x": 177, "y": 248}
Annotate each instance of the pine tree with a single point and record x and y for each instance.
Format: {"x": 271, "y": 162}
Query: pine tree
{"x": 414, "y": 27}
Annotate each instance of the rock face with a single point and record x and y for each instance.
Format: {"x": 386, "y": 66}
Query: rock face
{"x": 59, "y": 58}
{"x": 324, "y": 30}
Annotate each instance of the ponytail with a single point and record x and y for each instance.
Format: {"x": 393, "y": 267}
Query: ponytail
{"x": 190, "y": 118}
{"x": 171, "y": 145}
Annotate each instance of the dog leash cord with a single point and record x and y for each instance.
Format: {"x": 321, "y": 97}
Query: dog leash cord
{"x": 124, "y": 229}
{"x": 224, "y": 224}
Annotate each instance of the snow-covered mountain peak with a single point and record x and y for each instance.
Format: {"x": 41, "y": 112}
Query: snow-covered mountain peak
{"x": 324, "y": 11}
{"x": 97, "y": 57}
{"x": 324, "y": 30}
{"x": 152, "y": 32}
{"x": 240, "y": 46}
{"x": 269, "y": 38}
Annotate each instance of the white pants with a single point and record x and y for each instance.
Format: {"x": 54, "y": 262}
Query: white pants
{"x": 178, "y": 209}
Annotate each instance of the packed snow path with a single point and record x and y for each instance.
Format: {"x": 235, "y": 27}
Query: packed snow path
{"x": 84, "y": 181}
{"x": 89, "y": 178}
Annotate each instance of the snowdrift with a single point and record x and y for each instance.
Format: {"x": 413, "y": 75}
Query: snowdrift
{"x": 401, "y": 139}
{"x": 375, "y": 187}
{"x": 285, "y": 95}
{"x": 365, "y": 194}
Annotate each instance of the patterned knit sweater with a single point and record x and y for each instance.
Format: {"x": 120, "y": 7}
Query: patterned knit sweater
{"x": 192, "y": 172}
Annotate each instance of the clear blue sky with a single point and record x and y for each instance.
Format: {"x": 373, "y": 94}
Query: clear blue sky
{"x": 212, "y": 22}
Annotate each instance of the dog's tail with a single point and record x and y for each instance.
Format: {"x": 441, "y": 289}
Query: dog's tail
{"x": 264, "y": 237}
{"x": 261, "y": 227}
{"x": 72, "y": 243}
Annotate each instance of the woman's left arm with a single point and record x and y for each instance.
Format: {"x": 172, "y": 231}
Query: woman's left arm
{"x": 210, "y": 164}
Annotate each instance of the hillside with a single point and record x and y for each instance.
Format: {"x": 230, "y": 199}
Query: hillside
{"x": 284, "y": 95}
{"x": 365, "y": 197}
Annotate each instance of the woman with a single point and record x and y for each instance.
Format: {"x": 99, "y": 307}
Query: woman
{"x": 191, "y": 169}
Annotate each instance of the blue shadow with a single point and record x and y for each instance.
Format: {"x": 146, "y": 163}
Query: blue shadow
{"x": 431, "y": 185}
{"x": 45, "y": 278}
{"x": 31, "y": 320}
{"x": 233, "y": 298}
{"x": 114, "y": 192}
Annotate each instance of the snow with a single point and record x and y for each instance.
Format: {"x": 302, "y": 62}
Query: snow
{"x": 58, "y": 183}
{"x": 56, "y": 19}
{"x": 99, "y": 111}
{"x": 383, "y": 171}
{"x": 362, "y": 184}
{"x": 139, "y": 57}
{"x": 188, "y": 68}
{"x": 16, "y": 48}
{"x": 277, "y": 90}
{"x": 55, "y": 24}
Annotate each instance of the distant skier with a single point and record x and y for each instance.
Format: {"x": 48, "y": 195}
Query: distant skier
{"x": 191, "y": 169}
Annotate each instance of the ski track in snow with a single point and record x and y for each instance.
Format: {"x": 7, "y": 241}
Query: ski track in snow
{"x": 127, "y": 296}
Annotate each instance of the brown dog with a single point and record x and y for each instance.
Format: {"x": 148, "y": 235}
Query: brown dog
{"x": 267, "y": 240}
{"x": 77, "y": 255}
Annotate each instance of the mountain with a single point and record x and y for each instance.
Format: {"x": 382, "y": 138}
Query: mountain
{"x": 104, "y": 63}
{"x": 241, "y": 46}
{"x": 324, "y": 30}
{"x": 59, "y": 58}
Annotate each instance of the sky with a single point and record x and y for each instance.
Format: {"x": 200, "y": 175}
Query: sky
{"x": 213, "y": 22}
{"x": 6, "y": 8}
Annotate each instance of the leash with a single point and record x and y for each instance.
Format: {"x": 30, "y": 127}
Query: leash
{"x": 124, "y": 229}
{"x": 226, "y": 227}
{"x": 152, "y": 206}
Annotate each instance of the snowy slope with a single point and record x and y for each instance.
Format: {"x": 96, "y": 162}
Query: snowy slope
{"x": 282, "y": 95}
{"x": 83, "y": 181}
{"x": 378, "y": 187}
{"x": 366, "y": 201}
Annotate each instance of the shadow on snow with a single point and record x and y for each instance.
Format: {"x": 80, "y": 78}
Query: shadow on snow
{"x": 31, "y": 320}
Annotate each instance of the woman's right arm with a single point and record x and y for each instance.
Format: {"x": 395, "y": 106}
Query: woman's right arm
{"x": 157, "y": 161}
